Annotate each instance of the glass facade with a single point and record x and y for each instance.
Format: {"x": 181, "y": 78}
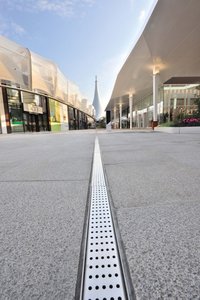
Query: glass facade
{"x": 55, "y": 119}
{"x": 180, "y": 100}
{"x": 174, "y": 102}
{"x": 82, "y": 121}
{"x": 15, "y": 110}
{"x": 36, "y": 96}
{"x": 34, "y": 112}
{"x": 72, "y": 118}
{"x": 58, "y": 116}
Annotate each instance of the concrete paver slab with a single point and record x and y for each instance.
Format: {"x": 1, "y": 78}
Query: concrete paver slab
{"x": 163, "y": 250}
{"x": 43, "y": 192}
{"x": 154, "y": 183}
{"x": 40, "y": 235}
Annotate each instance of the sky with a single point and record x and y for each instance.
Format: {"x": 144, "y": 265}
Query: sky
{"x": 85, "y": 38}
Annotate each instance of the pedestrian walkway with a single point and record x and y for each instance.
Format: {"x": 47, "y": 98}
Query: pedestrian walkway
{"x": 153, "y": 187}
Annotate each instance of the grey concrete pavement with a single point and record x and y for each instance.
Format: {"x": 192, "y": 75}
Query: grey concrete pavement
{"x": 43, "y": 182}
{"x": 154, "y": 182}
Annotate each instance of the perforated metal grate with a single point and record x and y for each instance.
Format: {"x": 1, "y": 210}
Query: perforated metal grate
{"x": 103, "y": 275}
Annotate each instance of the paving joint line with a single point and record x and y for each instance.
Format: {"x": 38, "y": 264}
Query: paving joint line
{"x": 46, "y": 180}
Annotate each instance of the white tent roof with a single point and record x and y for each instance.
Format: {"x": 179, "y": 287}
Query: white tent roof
{"x": 170, "y": 44}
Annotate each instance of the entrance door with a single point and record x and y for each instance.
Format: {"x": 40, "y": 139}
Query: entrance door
{"x": 35, "y": 123}
{"x": 31, "y": 123}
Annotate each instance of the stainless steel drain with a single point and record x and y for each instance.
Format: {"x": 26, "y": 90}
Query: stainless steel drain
{"x": 103, "y": 279}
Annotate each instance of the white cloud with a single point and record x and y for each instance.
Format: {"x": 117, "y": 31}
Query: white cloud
{"x": 8, "y": 28}
{"x": 64, "y": 8}
{"x": 19, "y": 30}
{"x": 59, "y": 7}
{"x": 142, "y": 15}
{"x": 89, "y": 2}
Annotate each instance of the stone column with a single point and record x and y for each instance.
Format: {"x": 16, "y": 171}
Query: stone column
{"x": 115, "y": 118}
{"x": 155, "y": 95}
{"x": 2, "y": 114}
{"x": 131, "y": 110}
{"x": 120, "y": 116}
{"x": 155, "y": 99}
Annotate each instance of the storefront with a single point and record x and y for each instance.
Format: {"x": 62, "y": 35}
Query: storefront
{"x": 30, "y": 112}
{"x": 35, "y": 96}
{"x": 25, "y": 112}
{"x": 58, "y": 116}
{"x": 180, "y": 100}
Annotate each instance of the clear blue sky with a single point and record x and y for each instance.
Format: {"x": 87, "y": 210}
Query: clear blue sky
{"x": 83, "y": 37}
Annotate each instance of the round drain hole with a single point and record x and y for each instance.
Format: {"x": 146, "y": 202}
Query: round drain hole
{"x": 110, "y": 286}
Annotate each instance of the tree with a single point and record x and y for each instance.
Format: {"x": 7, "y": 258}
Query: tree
{"x": 101, "y": 123}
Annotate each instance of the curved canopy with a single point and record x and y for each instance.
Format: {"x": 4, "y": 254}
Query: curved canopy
{"x": 169, "y": 44}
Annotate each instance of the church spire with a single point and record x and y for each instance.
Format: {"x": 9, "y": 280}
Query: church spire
{"x": 96, "y": 101}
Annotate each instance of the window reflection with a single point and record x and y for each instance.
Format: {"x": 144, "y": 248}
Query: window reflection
{"x": 15, "y": 110}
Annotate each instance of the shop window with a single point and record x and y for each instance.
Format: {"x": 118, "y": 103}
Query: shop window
{"x": 55, "y": 115}
{"x": 15, "y": 110}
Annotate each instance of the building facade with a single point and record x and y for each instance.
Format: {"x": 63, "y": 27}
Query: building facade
{"x": 160, "y": 80}
{"x": 35, "y": 96}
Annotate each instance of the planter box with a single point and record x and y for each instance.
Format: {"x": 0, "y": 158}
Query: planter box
{"x": 192, "y": 129}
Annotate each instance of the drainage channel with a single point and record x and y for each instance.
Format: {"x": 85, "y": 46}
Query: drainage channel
{"x": 103, "y": 276}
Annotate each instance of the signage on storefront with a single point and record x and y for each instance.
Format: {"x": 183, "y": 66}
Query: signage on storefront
{"x": 31, "y": 108}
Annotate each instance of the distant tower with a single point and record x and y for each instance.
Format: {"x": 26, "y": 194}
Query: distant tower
{"x": 96, "y": 101}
